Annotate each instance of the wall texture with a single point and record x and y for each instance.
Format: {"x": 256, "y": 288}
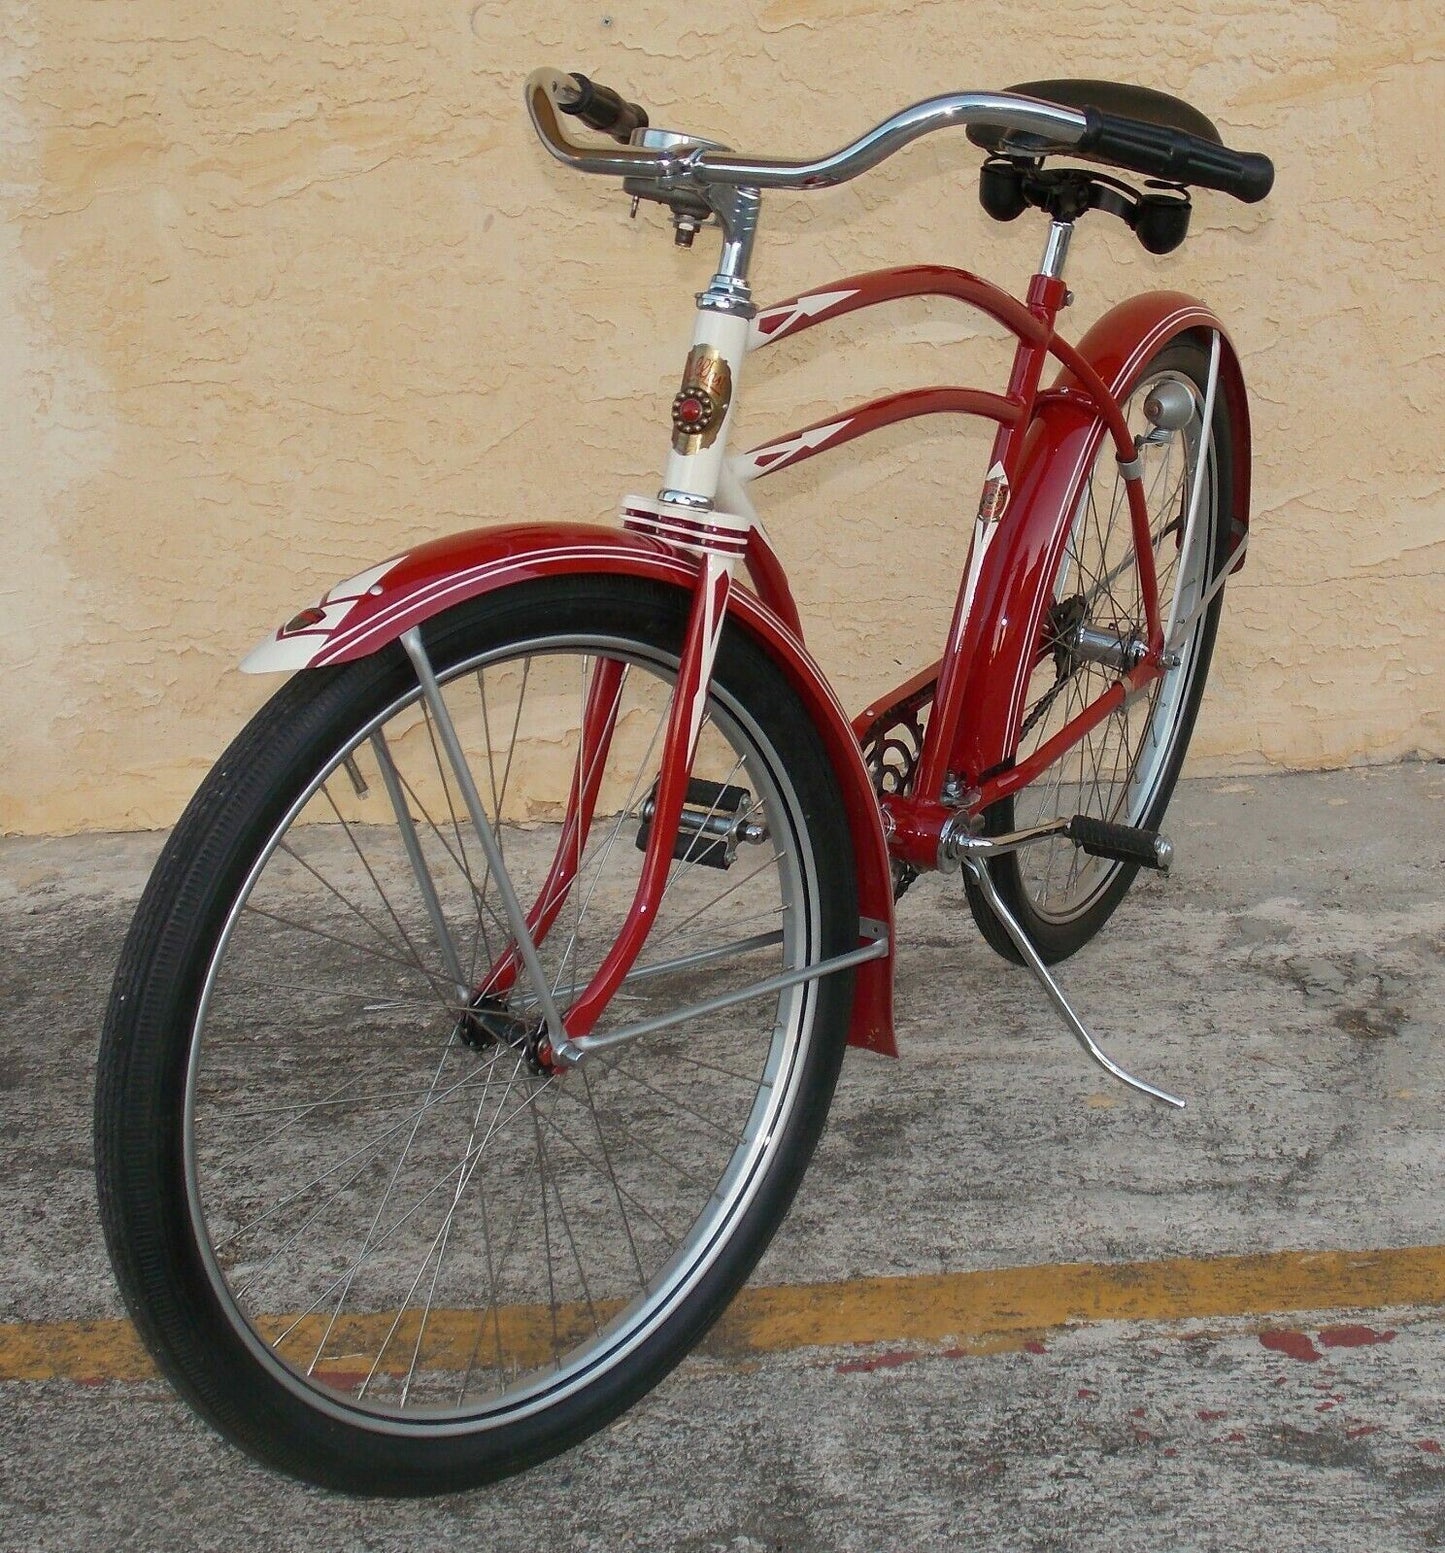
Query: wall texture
{"x": 288, "y": 285}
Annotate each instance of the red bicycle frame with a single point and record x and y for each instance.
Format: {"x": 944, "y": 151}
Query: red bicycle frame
{"x": 966, "y": 755}
{"x": 1045, "y": 441}
{"x": 985, "y": 664}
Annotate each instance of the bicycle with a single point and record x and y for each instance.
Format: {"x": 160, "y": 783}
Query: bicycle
{"x": 485, "y": 1006}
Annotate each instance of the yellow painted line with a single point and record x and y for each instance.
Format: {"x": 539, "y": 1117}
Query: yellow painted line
{"x": 983, "y": 1307}
{"x": 976, "y": 1311}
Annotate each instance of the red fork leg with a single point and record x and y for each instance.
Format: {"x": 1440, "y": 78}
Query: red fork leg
{"x": 694, "y": 674}
{"x": 599, "y": 719}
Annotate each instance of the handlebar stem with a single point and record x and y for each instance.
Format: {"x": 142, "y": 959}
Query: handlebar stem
{"x": 737, "y": 212}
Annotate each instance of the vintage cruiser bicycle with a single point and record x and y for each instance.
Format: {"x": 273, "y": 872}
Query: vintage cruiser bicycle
{"x": 485, "y": 1006}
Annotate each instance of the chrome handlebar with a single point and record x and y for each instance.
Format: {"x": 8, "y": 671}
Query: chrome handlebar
{"x": 699, "y": 164}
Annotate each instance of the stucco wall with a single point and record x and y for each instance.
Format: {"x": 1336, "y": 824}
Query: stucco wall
{"x": 288, "y": 285}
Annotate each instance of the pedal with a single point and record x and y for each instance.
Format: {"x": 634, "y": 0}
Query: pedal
{"x": 711, "y": 824}
{"x": 1123, "y": 843}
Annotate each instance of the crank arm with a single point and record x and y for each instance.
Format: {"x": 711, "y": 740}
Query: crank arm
{"x": 1100, "y": 838}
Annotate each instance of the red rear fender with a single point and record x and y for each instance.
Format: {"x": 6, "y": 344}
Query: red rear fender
{"x": 366, "y": 612}
{"x": 1061, "y": 445}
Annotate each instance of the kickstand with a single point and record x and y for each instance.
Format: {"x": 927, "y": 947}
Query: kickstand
{"x": 978, "y": 870}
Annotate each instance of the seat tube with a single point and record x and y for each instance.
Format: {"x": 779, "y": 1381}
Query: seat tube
{"x": 1047, "y": 296}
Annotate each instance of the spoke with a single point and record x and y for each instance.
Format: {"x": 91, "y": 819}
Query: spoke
{"x": 300, "y": 1109}
{"x": 348, "y": 1274}
{"x": 619, "y": 1191}
{"x": 612, "y": 1177}
{"x": 441, "y": 769}
{"x": 321, "y": 994}
{"x": 631, "y": 1139}
{"x": 411, "y": 958}
{"x": 549, "y": 1176}
{"x": 365, "y": 1154}
{"x": 480, "y": 939}
{"x": 376, "y": 1219}
{"x": 442, "y": 988}
{"x": 617, "y": 1066}
{"x": 370, "y": 874}
{"x": 722, "y": 895}
{"x": 480, "y": 904}
{"x": 547, "y": 1252}
{"x": 437, "y": 1248}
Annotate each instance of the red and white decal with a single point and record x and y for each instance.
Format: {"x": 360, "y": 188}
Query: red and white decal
{"x": 715, "y": 584}
{"x": 726, "y": 534}
{"x": 777, "y": 455}
{"x": 774, "y": 322}
{"x": 994, "y": 501}
{"x": 990, "y": 509}
{"x": 298, "y": 642}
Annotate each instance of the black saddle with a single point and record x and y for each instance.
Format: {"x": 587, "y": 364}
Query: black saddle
{"x": 1113, "y": 97}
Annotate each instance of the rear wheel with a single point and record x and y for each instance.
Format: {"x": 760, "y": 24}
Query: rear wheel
{"x": 361, "y": 1228}
{"x": 1124, "y": 771}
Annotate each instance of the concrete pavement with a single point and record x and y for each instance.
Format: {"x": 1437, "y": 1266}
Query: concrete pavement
{"x": 1171, "y": 1373}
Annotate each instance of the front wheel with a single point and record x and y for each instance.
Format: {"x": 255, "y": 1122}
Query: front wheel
{"x": 1124, "y": 771}
{"x": 360, "y": 1227}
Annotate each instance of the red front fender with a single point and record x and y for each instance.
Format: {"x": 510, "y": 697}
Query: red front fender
{"x": 1062, "y": 443}
{"x": 362, "y": 615}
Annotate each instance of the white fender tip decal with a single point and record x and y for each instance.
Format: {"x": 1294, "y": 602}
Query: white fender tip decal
{"x": 284, "y": 651}
{"x": 283, "y": 654}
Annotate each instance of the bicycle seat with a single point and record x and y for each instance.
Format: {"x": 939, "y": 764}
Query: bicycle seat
{"x": 1131, "y": 102}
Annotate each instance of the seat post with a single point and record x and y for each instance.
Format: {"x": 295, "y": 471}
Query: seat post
{"x": 1056, "y": 250}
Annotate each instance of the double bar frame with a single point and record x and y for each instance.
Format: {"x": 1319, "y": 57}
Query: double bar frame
{"x": 703, "y": 509}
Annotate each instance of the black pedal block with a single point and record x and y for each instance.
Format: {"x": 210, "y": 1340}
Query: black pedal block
{"x": 705, "y": 829}
{"x": 1123, "y": 843}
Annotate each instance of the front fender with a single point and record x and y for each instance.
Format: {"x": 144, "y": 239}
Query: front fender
{"x": 1063, "y": 441}
{"x": 365, "y": 613}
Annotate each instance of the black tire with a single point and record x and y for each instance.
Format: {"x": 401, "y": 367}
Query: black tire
{"x": 1126, "y": 769}
{"x": 389, "y": 1317}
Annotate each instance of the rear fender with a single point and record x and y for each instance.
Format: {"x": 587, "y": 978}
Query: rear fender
{"x": 1062, "y": 442}
{"x": 365, "y": 613}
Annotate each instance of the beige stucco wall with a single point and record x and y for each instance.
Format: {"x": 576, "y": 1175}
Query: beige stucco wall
{"x": 284, "y": 286}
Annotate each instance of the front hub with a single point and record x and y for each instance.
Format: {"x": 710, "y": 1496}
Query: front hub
{"x": 490, "y": 1022}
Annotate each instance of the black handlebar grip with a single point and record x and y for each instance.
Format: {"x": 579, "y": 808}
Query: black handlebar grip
{"x": 1161, "y": 152}
{"x": 600, "y": 108}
